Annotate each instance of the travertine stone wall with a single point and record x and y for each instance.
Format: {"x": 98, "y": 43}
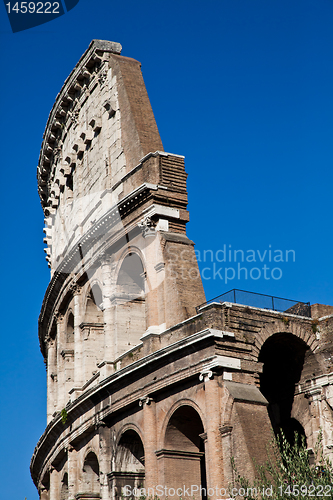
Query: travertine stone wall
{"x": 100, "y": 127}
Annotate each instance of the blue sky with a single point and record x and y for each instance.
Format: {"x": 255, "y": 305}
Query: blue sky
{"x": 243, "y": 89}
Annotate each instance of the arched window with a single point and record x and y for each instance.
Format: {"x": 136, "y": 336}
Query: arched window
{"x": 93, "y": 332}
{"x": 183, "y": 454}
{"x": 70, "y": 329}
{"x": 131, "y": 277}
{"x": 89, "y": 483}
{"x": 94, "y": 306}
{"x": 131, "y": 312}
{"x": 129, "y": 464}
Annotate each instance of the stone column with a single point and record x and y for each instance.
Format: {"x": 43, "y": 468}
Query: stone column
{"x": 151, "y": 279}
{"x": 150, "y": 443}
{"x": 104, "y": 458}
{"x": 108, "y": 311}
{"x": 213, "y": 450}
{"x": 72, "y": 457}
{"x": 54, "y": 484}
{"x": 51, "y": 378}
{"x": 322, "y": 420}
{"x": 225, "y": 431}
{"x": 78, "y": 344}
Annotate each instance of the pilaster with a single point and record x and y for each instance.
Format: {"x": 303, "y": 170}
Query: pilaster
{"x": 213, "y": 450}
{"x": 51, "y": 378}
{"x": 226, "y": 435}
{"x": 54, "y": 484}
{"x": 108, "y": 310}
{"x": 72, "y": 457}
{"x": 150, "y": 442}
{"x": 60, "y": 339}
{"x": 104, "y": 458}
{"x": 78, "y": 344}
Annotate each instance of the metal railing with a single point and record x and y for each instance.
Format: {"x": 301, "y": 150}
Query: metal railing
{"x": 262, "y": 301}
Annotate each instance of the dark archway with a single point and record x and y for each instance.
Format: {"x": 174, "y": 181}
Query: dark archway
{"x": 283, "y": 356}
{"x": 90, "y": 477}
{"x": 70, "y": 329}
{"x": 183, "y": 453}
{"x": 129, "y": 464}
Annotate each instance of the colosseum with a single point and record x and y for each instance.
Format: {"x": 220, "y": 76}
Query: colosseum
{"x": 149, "y": 385}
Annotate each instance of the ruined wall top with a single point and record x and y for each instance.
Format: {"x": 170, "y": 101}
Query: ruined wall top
{"x": 99, "y": 129}
{"x": 91, "y": 72}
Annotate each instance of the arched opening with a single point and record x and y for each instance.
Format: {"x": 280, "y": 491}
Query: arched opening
{"x": 64, "y": 487}
{"x": 68, "y": 353}
{"x": 131, "y": 315}
{"x": 94, "y": 305}
{"x": 131, "y": 277}
{"x": 70, "y": 329}
{"x": 129, "y": 464}
{"x": 183, "y": 454}
{"x": 283, "y": 357}
{"x": 89, "y": 483}
{"x": 92, "y": 332}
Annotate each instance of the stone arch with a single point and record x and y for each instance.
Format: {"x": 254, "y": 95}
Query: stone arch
{"x": 129, "y": 462}
{"x": 129, "y": 427}
{"x": 171, "y": 410}
{"x": 130, "y": 250}
{"x": 89, "y": 477}
{"x": 94, "y": 304}
{"x": 283, "y": 356}
{"x": 131, "y": 274}
{"x": 183, "y": 453}
{"x": 288, "y": 325}
{"x": 130, "y": 300}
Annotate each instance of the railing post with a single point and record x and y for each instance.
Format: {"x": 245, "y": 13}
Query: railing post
{"x": 273, "y": 303}
{"x": 235, "y": 296}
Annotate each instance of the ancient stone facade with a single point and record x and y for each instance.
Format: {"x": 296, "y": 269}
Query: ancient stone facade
{"x": 143, "y": 387}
